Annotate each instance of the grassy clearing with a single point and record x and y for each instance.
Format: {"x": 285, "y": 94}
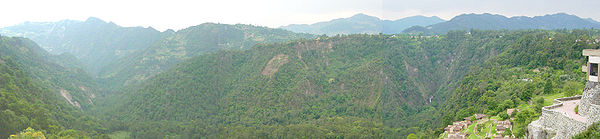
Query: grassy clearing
{"x": 120, "y": 135}
{"x": 548, "y": 100}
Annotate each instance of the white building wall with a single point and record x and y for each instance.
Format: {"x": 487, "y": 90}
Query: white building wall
{"x": 594, "y": 59}
{"x": 593, "y": 78}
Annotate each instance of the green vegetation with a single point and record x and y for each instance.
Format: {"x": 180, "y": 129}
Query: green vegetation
{"x": 356, "y": 76}
{"x": 242, "y": 81}
{"x": 591, "y": 132}
{"x": 94, "y": 42}
{"x": 29, "y": 82}
{"x": 504, "y": 116}
{"x": 120, "y": 135}
{"x": 28, "y": 133}
{"x": 361, "y": 23}
{"x": 186, "y": 43}
{"x": 411, "y": 136}
{"x": 384, "y": 79}
{"x": 534, "y": 65}
{"x": 488, "y": 21}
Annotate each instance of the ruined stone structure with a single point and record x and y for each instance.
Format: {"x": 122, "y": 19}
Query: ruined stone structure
{"x": 560, "y": 120}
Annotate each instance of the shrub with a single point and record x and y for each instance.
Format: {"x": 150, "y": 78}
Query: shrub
{"x": 504, "y": 116}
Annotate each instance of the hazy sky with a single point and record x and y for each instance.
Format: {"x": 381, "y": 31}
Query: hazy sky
{"x": 178, "y": 14}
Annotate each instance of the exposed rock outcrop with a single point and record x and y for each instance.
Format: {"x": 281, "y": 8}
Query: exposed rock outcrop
{"x": 274, "y": 64}
{"x": 64, "y": 93}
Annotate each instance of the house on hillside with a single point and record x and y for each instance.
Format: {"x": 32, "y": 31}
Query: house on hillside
{"x": 457, "y": 136}
{"x": 477, "y": 117}
{"x": 454, "y": 130}
{"x": 510, "y": 111}
{"x": 502, "y": 126}
{"x": 560, "y": 120}
{"x": 501, "y": 137}
{"x": 480, "y": 116}
{"x": 500, "y": 129}
{"x": 591, "y": 67}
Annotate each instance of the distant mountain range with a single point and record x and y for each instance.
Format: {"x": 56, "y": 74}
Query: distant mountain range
{"x": 101, "y": 80}
{"x": 497, "y": 22}
{"x": 187, "y": 43}
{"x": 109, "y": 51}
{"x": 94, "y": 42}
{"x": 361, "y": 23}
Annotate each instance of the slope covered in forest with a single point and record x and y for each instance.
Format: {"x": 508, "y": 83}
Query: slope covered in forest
{"x": 244, "y": 81}
{"x": 538, "y": 64}
{"x": 379, "y": 84}
{"x": 96, "y": 43}
{"x": 44, "y": 92}
{"x": 488, "y": 21}
{"x": 186, "y": 43}
{"x": 361, "y": 23}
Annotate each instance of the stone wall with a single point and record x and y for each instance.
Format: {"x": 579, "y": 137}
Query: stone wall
{"x": 554, "y": 124}
{"x": 560, "y": 100}
{"x": 589, "y": 102}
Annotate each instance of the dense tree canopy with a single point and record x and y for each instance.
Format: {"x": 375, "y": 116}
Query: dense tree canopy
{"x": 250, "y": 82}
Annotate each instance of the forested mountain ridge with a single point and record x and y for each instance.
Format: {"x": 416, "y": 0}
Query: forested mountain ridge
{"x": 39, "y": 90}
{"x": 488, "y": 21}
{"x": 361, "y": 23}
{"x": 94, "y": 42}
{"x": 243, "y": 81}
{"x": 270, "y": 89}
{"x": 62, "y": 72}
{"x": 537, "y": 64}
{"x": 186, "y": 43}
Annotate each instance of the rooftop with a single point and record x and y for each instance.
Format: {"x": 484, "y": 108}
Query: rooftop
{"x": 591, "y": 52}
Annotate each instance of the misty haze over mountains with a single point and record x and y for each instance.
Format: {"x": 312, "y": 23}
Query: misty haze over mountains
{"x": 354, "y": 77}
{"x": 99, "y": 43}
{"x": 361, "y": 23}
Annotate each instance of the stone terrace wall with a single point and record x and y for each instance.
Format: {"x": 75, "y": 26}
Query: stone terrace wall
{"x": 561, "y": 124}
{"x": 560, "y": 100}
{"x": 589, "y": 102}
{"x": 591, "y": 111}
{"x": 556, "y": 124}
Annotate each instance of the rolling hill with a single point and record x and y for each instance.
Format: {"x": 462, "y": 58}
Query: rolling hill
{"x": 313, "y": 88}
{"x": 187, "y": 43}
{"x": 488, "y": 21}
{"x": 94, "y": 42}
{"x": 361, "y": 23}
{"x": 43, "y": 91}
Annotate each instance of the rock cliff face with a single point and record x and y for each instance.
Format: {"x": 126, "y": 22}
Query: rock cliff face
{"x": 559, "y": 120}
{"x": 590, "y": 102}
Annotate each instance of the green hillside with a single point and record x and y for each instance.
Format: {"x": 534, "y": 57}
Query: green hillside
{"x": 538, "y": 63}
{"x": 94, "y": 42}
{"x": 63, "y": 73}
{"x": 244, "y": 81}
{"x": 361, "y": 23}
{"x": 386, "y": 82}
{"x": 488, "y": 21}
{"x": 31, "y": 83}
{"x": 186, "y": 43}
